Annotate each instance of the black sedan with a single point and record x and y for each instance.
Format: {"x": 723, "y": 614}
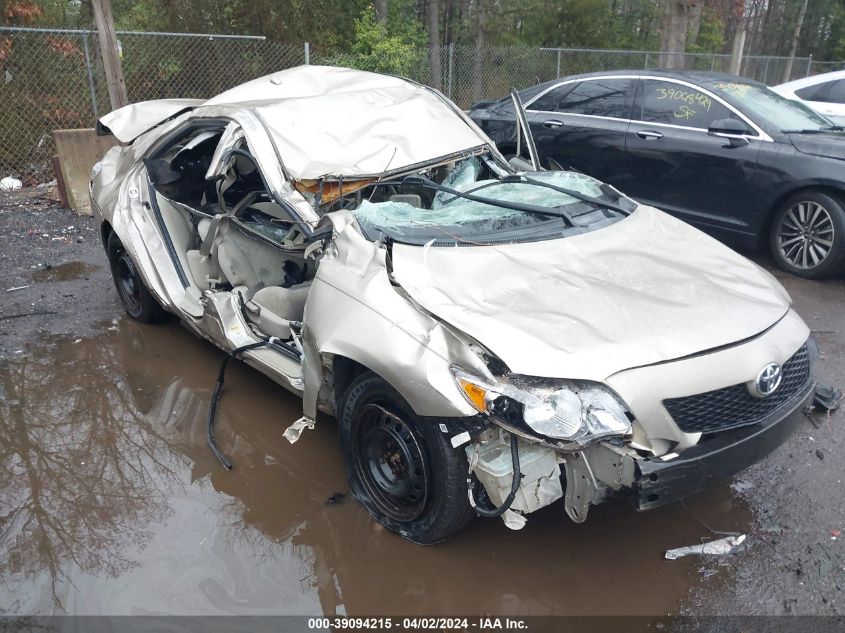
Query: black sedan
{"x": 724, "y": 153}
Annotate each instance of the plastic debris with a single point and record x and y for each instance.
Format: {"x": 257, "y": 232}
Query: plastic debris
{"x": 742, "y": 486}
{"x": 718, "y": 547}
{"x": 827, "y": 397}
{"x": 835, "y": 533}
{"x": 10, "y": 184}
{"x": 514, "y": 520}
{"x": 293, "y": 432}
{"x": 16, "y": 288}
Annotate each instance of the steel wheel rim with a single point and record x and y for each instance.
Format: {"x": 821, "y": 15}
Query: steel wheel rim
{"x": 128, "y": 282}
{"x": 391, "y": 463}
{"x": 805, "y": 235}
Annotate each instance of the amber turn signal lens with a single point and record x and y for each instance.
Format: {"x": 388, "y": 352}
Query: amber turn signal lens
{"x": 477, "y": 395}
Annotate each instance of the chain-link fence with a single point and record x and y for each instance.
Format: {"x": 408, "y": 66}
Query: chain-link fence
{"x": 475, "y": 74}
{"x": 54, "y": 79}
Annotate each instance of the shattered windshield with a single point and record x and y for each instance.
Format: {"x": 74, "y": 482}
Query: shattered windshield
{"x": 446, "y": 217}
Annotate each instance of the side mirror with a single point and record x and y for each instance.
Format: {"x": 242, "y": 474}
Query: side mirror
{"x": 730, "y": 129}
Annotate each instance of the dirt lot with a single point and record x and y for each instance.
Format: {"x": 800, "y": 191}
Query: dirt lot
{"x": 111, "y": 503}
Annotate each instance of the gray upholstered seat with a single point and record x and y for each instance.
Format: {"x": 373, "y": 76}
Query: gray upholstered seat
{"x": 272, "y": 308}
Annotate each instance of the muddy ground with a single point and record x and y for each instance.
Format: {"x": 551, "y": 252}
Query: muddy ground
{"x": 110, "y": 501}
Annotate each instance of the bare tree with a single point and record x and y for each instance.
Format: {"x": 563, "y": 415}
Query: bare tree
{"x": 676, "y": 23}
{"x": 434, "y": 52}
{"x": 381, "y": 11}
{"x": 480, "y": 40}
{"x": 796, "y": 34}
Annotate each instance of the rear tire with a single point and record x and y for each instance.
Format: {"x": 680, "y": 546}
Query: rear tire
{"x": 136, "y": 298}
{"x": 807, "y": 237}
{"x": 401, "y": 468}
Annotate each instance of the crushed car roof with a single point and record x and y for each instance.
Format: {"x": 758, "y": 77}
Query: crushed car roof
{"x": 339, "y": 122}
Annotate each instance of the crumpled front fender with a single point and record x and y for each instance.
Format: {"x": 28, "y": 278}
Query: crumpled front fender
{"x": 353, "y": 311}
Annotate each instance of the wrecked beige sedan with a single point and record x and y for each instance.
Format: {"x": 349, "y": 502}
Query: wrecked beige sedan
{"x": 491, "y": 340}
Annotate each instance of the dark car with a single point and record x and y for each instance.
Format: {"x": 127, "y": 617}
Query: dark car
{"x": 724, "y": 153}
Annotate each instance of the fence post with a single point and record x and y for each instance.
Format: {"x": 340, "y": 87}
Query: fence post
{"x": 766, "y": 71}
{"x": 645, "y": 66}
{"x": 307, "y": 50}
{"x": 809, "y": 65}
{"x": 111, "y": 57}
{"x": 90, "y": 73}
{"x": 713, "y": 63}
{"x": 558, "y": 63}
{"x": 450, "y": 69}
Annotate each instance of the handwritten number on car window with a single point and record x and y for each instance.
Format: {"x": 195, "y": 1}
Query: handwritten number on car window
{"x": 691, "y": 97}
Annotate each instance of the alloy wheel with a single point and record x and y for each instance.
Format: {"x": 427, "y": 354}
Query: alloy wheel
{"x": 805, "y": 234}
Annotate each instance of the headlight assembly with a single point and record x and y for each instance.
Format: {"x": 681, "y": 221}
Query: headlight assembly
{"x": 573, "y": 411}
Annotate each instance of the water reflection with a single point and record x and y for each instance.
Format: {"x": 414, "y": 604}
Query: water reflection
{"x": 110, "y": 502}
{"x": 82, "y": 476}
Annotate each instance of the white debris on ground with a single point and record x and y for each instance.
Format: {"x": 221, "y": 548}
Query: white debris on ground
{"x": 293, "y": 432}
{"x": 10, "y": 184}
{"x": 718, "y": 547}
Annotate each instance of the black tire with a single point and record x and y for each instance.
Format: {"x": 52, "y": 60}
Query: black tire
{"x": 137, "y": 300}
{"x": 401, "y": 468}
{"x": 807, "y": 236}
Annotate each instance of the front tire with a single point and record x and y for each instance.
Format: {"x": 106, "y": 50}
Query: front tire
{"x": 137, "y": 300}
{"x": 401, "y": 468}
{"x": 808, "y": 235}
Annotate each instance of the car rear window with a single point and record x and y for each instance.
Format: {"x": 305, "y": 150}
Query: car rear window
{"x": 837, "y": 92}
{"x": 677, "y": 104}
{"x": 596, "y": 97}
{"x": 812, "y": 93}
{"x": 828, "y": 92}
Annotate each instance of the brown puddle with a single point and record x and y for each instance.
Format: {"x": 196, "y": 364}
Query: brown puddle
{"x": 64, "y": 272}
{"x": 111, "y": 502}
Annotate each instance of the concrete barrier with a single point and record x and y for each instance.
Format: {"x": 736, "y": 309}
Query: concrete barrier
{"x": 77, "y": 151}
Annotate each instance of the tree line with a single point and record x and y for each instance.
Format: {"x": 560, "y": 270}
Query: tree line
{"x": 377, "y": 27}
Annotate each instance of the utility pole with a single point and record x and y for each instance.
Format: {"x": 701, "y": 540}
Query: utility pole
{"x": 736, "y": 52}
{"x": 111, "y": 58}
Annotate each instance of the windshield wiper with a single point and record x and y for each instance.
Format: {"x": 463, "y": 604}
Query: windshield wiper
{"x": 818, "y": 130}
{"x": 422, "y": 181}
{"x": 569, "y": 192}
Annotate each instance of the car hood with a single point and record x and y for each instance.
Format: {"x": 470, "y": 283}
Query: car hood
{"x": 647, "y": 289}
{"x": 829, "y": 145}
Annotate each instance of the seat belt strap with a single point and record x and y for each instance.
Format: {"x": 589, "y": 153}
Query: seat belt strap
{"x": 208, "y": 242}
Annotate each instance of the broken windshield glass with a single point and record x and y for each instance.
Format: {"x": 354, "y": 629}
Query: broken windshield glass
{"x": 452, "y": 218}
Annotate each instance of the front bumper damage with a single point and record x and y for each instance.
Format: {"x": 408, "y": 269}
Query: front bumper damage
{"x": 605, "y": 471}
{"x": 660, "y": 481}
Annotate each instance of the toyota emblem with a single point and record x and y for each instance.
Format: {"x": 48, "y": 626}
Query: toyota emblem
{"x": 768, "y": 380}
